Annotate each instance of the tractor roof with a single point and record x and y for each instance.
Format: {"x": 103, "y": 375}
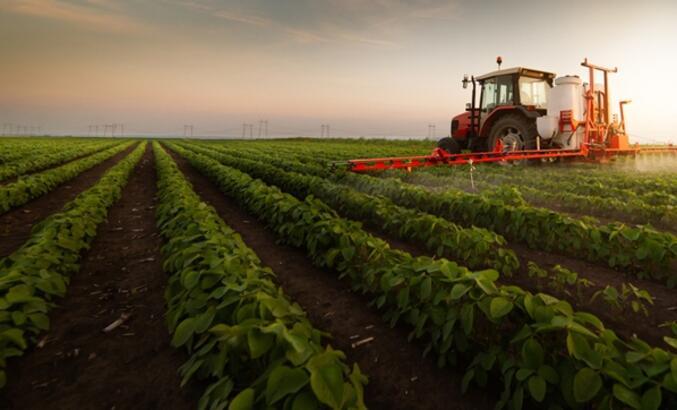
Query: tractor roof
{"x": 527, "y": 72}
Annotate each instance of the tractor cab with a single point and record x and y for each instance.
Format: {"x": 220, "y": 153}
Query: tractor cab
{"x": 510, "y": 100}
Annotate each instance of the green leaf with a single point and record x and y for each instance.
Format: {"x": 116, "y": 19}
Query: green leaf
{"x": 537, "y": 388}
{"x": 500, "y": 307}
{"x": 183, "y": 332}
{"x": 651, "y": 399}
{"x": 627, "y": 396}
{"x": 259, "y": 342}
{"x": 518, "y": 399}
{"x": 426, "y": 288}
{"x": 586, "y": 385}
{"x": 243, "y": 401}
{"x": 467, "y": 317}
{"x": 459, "y": 290}
{"x": 549, "y": 374}
{"x": 305, "y": 401}
{"x": 671, "y": 341}
{"x": 523, "y": 373}
{"x": 284, "y": 381}
{"x": 16, "y": 336}
{"x": 327, "y": 384}
{"x": 532, "y": 354}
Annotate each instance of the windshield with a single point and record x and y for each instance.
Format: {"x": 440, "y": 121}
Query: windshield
{"x": 534, "y": 91}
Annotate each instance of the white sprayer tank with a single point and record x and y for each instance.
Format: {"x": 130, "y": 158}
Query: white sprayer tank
{"x": 566, "y": 95}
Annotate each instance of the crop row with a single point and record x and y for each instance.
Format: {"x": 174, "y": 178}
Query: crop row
{"x": 254, "y": 346}
{"x": 32, "y": 186}
{"x": 39, "y": 271}
{"x": 653, "y": 188}
{"x": 656, "y": 207}
{"x": 477, "y": 248}
{"x": 605, "y": 180}
{"x": 639, "y": 250}
{"x": 15, "y": 149}
{"x": 48, "y": 159}
{"x": 540, "y": 349}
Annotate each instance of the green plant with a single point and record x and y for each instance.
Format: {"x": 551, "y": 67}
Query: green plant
{"x": 254, "y": 347}
{"x": 544, "y": 352}
{"x": 38, "y": 272}
{"x": 32, "y": 186}
{"x": 640, "y": 250}
{"x": 629, "y": 295}
{"x": 473, "y": 247}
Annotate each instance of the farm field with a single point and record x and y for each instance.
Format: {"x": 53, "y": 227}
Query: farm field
{"x": 243, "y": 274}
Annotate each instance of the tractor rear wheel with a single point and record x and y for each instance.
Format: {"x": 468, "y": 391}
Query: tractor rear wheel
{"x": 450, "y": 145}
{"x": 513, "y": 132}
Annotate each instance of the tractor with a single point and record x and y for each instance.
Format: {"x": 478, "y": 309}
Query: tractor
{"x": 510, "y": 100}
{"x": 527, "y": 115}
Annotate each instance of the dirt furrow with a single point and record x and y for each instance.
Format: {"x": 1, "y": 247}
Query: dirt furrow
{"x": 17, "y": 223}
{"x": 130, "y": 366}
{"x": 399, "y": 378}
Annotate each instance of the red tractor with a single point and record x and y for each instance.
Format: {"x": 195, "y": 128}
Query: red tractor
{"x": 526, "y": 114}
{"x": 510, "y": 101}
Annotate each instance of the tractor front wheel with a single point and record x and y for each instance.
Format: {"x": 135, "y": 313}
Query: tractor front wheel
{"x": 450, "y": 145}
{"x": 513, "y": 133}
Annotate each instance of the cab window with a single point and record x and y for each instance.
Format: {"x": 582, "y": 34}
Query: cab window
{"x": 488, "y": 94}
{"x": 505, "y": 88}
{"x": 497, "y": 91}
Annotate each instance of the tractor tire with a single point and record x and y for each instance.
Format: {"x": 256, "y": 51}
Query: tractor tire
{"x": 450, "y": 145}
{"x": 515, "y": 132}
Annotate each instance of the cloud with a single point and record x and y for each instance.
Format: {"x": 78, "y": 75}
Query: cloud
{"x": 317, "y": 23}
{"x": 298, "y": 34}
{"x": 100, "y": 15}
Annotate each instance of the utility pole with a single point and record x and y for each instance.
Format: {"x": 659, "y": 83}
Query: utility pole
{"x": 251, "y": 131}
{"x": 188, "y": 130}
{"x": 431, "y": 131}
{"x": 260, "y": 128}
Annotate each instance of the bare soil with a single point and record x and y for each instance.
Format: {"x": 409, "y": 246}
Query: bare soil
{"x": 16, "y": 224}
{"x": 399, "y": 377}
{"x": 133, "y": 365}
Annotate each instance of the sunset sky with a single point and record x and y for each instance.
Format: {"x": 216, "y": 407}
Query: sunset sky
{"x": 372, "y": 68}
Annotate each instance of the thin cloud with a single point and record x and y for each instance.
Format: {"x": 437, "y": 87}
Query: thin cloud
{"x": 330, "y": 33}
{"x": 300, "y": 35}
{"x": 95, "y": 14}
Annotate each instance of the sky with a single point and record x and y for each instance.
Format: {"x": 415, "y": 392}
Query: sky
{"x": 365, "y": 68}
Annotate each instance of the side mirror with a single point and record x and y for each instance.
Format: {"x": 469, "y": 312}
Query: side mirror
{"x": 465, "y": 81}
{"x": 467, "y": 106}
